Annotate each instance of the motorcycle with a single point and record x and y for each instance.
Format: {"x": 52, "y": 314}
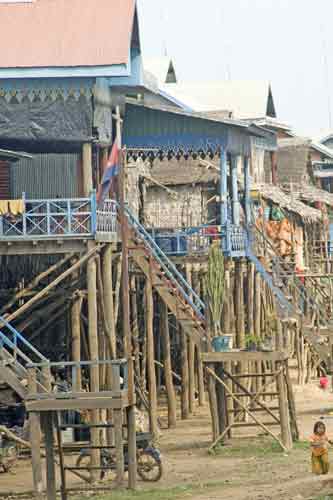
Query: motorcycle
{"x": 8, "y": 453}
{"x": 149, "y": 460}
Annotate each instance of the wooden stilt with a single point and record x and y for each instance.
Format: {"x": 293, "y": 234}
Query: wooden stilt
{"x": 284, "y": 411}
{"x": 119, "y": 443}
{"x": 257, "y": 304}
{"x": 239, "y": 305}
{"x": 191, "y": 374}
{"x": 50, "y": 458}
{"x": 131, "y": 436}
{"x": 201, "y": 384}
{"x": 35, "y": 439}
{"x": 250, "y": 298}
{"x": 172, "y": 415}
{"x": 151, "y": 357}
{"x": 108, "y": 295}
{"x": 76, "y": 338}
{"x": 185, "y": 375}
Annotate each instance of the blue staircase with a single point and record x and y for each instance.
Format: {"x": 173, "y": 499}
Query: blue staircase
{"x": 170, "y": 284}
{"x": 15, "y": 354}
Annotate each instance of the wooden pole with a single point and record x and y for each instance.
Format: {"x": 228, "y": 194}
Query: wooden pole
{"x": 54, "y": 283}
{"x": 108, "y": 295}
{"x": 198, "y": 363}
{"x": 185, "y": 375}
{"x": 191, "y": 374}
{"x": 92, "y": 310}
{"x": 238, "y": 401}
{"x": 35, "y": 439}
{"x": 50, "y": 462}
{"x": 239, "y": 305}
{"x": 131, "y": 436}
{"x": 35, "y": 282}
{"x": 172, "y": 415}
{"x": 292, "y": 405}
{"x": 135, "y": 325}
{"x": 250, "y": 297}
{"x": 257, "y": 304}
{"x": 151, "y": 357}
{"x": 76, "y": 338}
{"x": 284, "y": 412}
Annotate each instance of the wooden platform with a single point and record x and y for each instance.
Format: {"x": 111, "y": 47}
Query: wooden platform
{"x": 83, "y": 401}
{"x": 238, "y": 355}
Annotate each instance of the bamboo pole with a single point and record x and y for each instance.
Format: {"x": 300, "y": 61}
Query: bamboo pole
{"x": 54, "y": 283}
{"x": 22, "y": 293}
{"x": 151, "y": 357}
{"x": 172, "y": 415}
{"x": 185, "y": 375}
{"x": 76, "y": 338}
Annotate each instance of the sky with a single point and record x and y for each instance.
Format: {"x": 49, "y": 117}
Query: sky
{"x": 288, "y": 42}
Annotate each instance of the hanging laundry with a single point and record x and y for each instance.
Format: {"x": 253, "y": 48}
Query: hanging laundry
{"x": 16, "y": 207}
{"x": 4, "y": 207}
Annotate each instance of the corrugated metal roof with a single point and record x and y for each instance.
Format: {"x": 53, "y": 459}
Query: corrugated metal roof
{"x": 66, "y": 33}
{"x": 6, "y": 154}
{"x": 45, "y": 176}
{"x": 172, "y": 129}
{"x": 246, "y": 99}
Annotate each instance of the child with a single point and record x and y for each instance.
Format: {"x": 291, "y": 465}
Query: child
{"x": 323, "y": 382}
{"x": 319, "y": 447}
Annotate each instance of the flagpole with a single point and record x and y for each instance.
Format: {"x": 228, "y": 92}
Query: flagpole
{"x": 126, "y": 306}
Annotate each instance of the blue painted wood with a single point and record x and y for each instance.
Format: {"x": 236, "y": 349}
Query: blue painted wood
{"x": 54, "y": 218}
{"x": 224, "y": 187}
{"x": 235, "y": 202}
{"x": 247, "y": 187}
{"x": 120, "y": 70}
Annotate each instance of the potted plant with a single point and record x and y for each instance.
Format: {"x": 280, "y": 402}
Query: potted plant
{"x": 252, "y": 342}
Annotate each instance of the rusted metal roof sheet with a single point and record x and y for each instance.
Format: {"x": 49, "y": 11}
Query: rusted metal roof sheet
{"x": 66, "y": 33}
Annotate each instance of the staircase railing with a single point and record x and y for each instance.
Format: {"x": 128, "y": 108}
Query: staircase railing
{"x": 302, "y": 295}
{"x": 170, "y": 270}
{"x": 17, "y": 346}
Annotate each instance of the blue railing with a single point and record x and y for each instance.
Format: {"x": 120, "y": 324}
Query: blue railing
{"x": 192, "y": 241}
{"x": 17, "y": 346}
{"x": 56, "y": 218}
{"x": 170, "y": 270}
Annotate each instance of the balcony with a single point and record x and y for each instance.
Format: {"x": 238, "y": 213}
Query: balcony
{"x": 57, "y": 219}
{"x": 197, "y": 240}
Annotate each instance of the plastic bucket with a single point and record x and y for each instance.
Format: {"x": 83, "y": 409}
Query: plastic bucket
{"x": 222, "y": 343}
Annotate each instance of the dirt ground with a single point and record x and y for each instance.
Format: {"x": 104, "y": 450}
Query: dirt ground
{"x": 247, "y": 469}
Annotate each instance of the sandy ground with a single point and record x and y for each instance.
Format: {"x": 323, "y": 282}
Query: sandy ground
{"x": 235, "y": 476}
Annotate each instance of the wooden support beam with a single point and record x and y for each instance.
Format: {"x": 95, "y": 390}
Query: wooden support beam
{"x": 51, "y": 486}
{"x": 185, "y": 374}
{"x": 76, "y": 338}
{"x": 151, "y": 357}
{"x": 118, "y": 431}
{"x": 247, "y": 411}
{"x": 131, "y": 436}
{"x": 22, "y": 293}
{"x": 54, "y": 283}
{"x": 172, "y": 414}
{"x": 35, "y": 440}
